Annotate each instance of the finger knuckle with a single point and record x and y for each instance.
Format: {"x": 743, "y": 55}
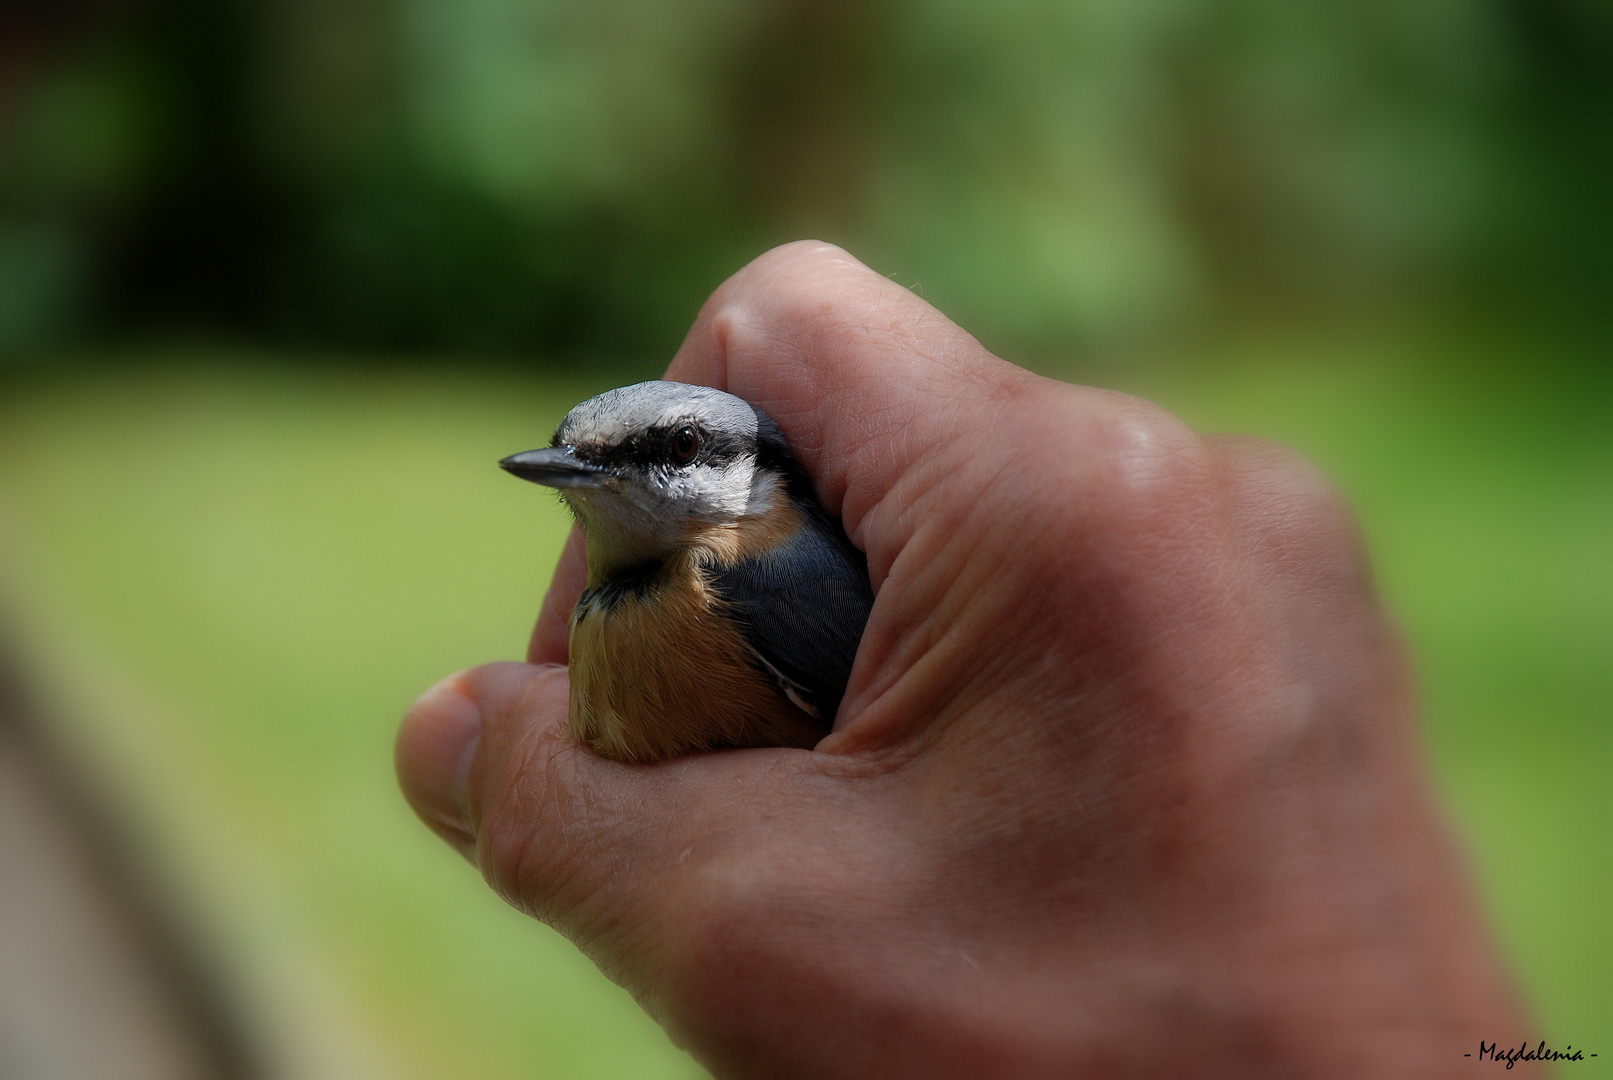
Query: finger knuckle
{"x": 1293, "y": 511}
{"x": 788, "y": 290}
{"x": 508, "y": 837}
{"x": 532, "y": 830}
{"x": 1154, "y": 467}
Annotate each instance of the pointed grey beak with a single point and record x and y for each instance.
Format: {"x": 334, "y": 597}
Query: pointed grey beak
{"x": 555, "y": 467}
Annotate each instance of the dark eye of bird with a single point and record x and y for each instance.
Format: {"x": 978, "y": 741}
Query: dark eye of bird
{"x": 684, "y": 445}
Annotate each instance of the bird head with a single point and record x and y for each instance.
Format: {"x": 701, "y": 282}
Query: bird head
{"x": 648, "y": 468}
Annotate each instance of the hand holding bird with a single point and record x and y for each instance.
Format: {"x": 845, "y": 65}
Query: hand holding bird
{"x": 1123, "y": 782}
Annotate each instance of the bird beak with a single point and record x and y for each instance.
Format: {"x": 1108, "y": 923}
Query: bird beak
{"x": 555, "y": 467}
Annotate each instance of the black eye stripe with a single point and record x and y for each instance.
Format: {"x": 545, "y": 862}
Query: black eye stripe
{"x": 657, "y": 447}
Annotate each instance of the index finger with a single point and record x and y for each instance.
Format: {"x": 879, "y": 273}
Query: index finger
{"x": 864, "y": 377}
{"x": 550, "y": 641}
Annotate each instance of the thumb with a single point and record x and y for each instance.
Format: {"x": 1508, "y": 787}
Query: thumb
{"x": 605, "y": 852}
{"x": 486, "y": 761}
{"x": 641, "y": 866}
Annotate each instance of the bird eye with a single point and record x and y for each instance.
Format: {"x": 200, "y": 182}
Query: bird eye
{"x": 684, "y": 445}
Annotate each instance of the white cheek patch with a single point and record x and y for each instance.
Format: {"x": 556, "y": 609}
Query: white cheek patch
{"x": 634, "y": 522}
{"x": 764, "y": 488}
{"x": 718, "y": 494}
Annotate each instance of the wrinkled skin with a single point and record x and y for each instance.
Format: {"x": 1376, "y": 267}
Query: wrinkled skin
{"x": 1126, "y": 781}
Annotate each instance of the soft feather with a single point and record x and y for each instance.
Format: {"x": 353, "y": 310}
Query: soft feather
{"x": 802, "y": 605}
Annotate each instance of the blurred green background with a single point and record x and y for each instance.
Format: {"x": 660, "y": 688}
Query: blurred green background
{"x": 281, "y": 279}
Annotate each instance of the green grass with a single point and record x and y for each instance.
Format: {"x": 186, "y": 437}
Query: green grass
{"x": 272, "y": 562}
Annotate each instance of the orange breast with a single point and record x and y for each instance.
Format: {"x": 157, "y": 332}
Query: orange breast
{"x": 660, "y": 672}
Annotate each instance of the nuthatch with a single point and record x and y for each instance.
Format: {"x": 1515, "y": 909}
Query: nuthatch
{"x": 723, "y": 605}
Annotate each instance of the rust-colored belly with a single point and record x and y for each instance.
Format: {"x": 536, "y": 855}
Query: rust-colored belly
{"x": 659, "y": 672}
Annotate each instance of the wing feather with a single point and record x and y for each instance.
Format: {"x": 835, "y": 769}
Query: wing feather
{"x": 802, "y": 606}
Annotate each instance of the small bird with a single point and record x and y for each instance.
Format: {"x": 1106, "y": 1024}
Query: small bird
{"x": 724, "y": 605}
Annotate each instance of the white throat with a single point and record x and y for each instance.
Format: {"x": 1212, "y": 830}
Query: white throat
{"x": 632, "y": 523}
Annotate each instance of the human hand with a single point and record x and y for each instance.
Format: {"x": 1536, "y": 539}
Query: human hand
{"x": 1125, "y": 781}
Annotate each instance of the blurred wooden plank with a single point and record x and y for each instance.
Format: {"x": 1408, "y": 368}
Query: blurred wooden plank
{"x": 94, "y": 982}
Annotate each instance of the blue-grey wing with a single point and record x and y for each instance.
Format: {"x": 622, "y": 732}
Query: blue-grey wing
{"x": 802, "y": 607}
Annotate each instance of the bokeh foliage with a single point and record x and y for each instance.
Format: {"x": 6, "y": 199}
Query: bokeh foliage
{"x": 558, "y": 176}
